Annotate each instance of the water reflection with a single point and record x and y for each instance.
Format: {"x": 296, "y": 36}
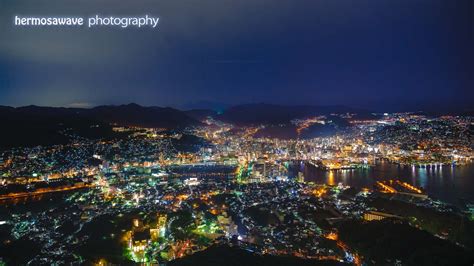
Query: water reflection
{"x": 331, "y": 180}
{"x": 448, "y": 183}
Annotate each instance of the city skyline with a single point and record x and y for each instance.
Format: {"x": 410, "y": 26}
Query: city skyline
{"x": 237, "y": 132}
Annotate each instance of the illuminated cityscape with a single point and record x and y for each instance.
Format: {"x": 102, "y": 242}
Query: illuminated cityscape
{"x": 157, "y": 196}
{"x": 237, "y": 133}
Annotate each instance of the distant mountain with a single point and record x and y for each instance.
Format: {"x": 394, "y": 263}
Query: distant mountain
{"x": 468, "y": 113}
{"x": 125, "y": 115}
{"x": 200, "y": 114}
{"x": 136, "y": 115}
{"x": 34, "y": 125}
{"x": 262, "y": 113}
{"x": 230, "y": 256}
{"x": 6, "y": 108}
{"x": 210, "y": 105}
{"x": 42, "y": 111}
{"x": 289, "y": 131}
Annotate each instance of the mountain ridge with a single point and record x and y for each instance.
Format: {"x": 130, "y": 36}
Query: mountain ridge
{"x": 263, "y": 113}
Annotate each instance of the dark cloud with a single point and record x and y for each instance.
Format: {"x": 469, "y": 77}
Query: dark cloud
{"x": 368, "y": 53}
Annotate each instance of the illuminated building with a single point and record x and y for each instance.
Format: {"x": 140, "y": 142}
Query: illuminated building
{"x": 162, "y": 219}
{"x": 300, "y": 177}
{"x": 377, "y": 216}
{"x": 193, "y": 181}
{"x": 140, "y": 240}
{"x": 160, "y": 230}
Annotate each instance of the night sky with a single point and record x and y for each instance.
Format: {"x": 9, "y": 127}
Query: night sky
{"x": 374, "y": 54}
